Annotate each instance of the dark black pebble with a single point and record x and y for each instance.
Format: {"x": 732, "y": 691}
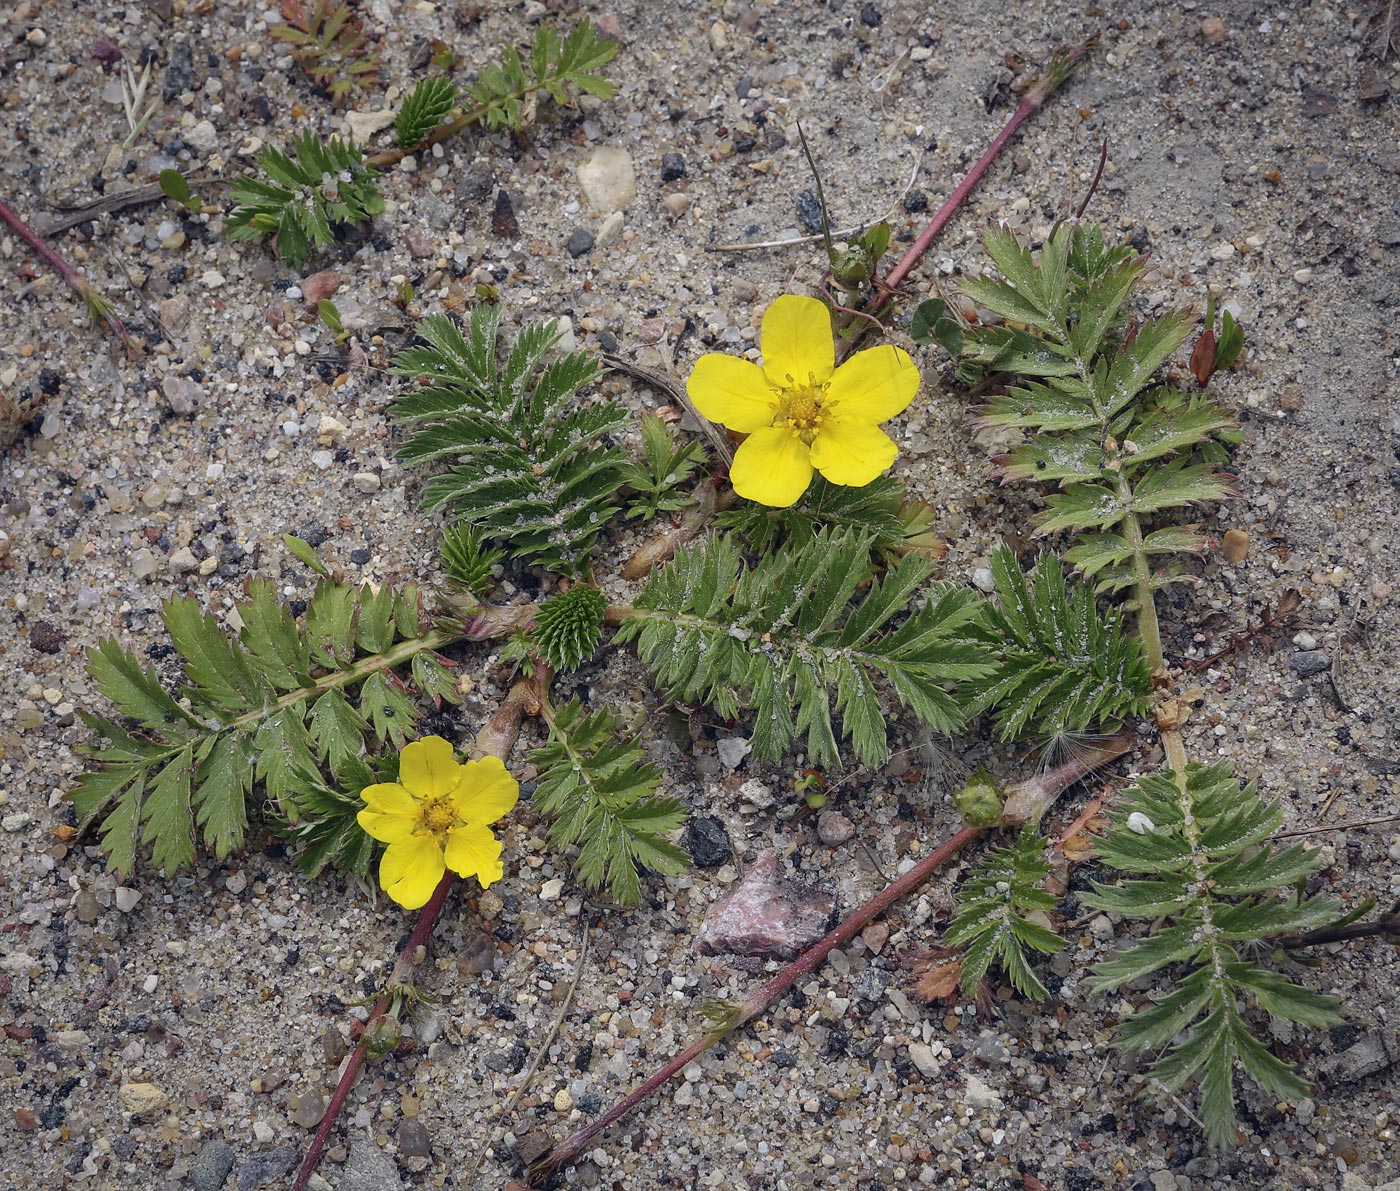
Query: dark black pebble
{"x": 580, "y": 242}
{"x": 707, "y": 842}
{"x": 672, "y": 167}
{"x": 916, "y": 200}
{"x": 809, "y": 211}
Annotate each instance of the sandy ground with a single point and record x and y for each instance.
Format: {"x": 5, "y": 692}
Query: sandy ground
{"x": 1242, "y": 155}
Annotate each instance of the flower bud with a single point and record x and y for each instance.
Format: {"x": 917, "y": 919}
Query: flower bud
{"x": 850, "y": 268}
{"x": 979, "y": 802}
{"x": 381, "y": 1035}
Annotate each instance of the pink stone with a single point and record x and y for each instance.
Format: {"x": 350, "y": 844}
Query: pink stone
{"x": 765, "y": 914}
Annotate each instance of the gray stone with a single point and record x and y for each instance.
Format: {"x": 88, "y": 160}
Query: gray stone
{"x": 262, "y": 1168}
{"x": 921, "y": 1055}
{"x": 209, "y": 1168}
{"x": 991, "y": 1049}
{"x": 413, "y": 1140}
{"x": 979, "y": 1095}
{"x": 367, "y": 1169}
{"x": 1310, "y": 662}
{"x": 580, "y": 242}
{"x": 834, "y": 828}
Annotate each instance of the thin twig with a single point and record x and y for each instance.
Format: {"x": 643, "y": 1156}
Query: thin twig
{"x": 673, "y": 389}
{"x": 842, "y": 234}
{"x": 1335, "y": 827}
{"x": 540, "y": 1051}
{"x": 137, "y": 196}
{"x": 1094, "y": 185}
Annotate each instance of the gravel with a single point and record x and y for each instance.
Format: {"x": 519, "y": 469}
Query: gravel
{"x": 176, "y": 475}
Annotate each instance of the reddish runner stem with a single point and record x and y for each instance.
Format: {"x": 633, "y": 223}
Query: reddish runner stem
{"x": 75, "y": 280}
{"x": 1059, "y": 70}
{"x": 496, "y": 739}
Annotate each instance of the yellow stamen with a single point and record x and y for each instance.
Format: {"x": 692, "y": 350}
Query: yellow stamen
{"x": 439, "y": 816}
{"x": 802, "y": 407}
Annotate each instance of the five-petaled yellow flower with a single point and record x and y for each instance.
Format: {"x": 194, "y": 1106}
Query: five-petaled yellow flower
{"x": 799, "y": 410}
{"x": 435, "y": 817}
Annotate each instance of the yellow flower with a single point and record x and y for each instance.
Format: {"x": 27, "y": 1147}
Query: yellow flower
{"x": 799, "y": 410}
{"x": 435, "y": 817}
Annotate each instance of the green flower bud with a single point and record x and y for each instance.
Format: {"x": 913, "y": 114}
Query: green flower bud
{"x": 979, "y": 802}
{"x": 381, "y": 1035}
{"x": 851, "y": 268}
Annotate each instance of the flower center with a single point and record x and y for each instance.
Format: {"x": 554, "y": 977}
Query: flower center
{"x": 439, "y": 816}
{"x": 802, "y": 407}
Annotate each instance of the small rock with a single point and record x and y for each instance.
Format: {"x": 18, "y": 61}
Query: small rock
{"x": 1305, "y": 641}
{"x": 1163, "y": 1180}
{"x": 203, "y": 136}
{"x": 983, "y": 580}
{"x": 419, "y": 246}
{"x": 732, "y": 751}
{"x": 552, "y": 890}
{"x": 875, "y": 936}
{"x": 921, "y": 1055}
{"x": 1214, "y": 31}
{"x": 1235, "y": 546}
{"x": 141, "y": 1098}
{"x": 366, "y": 482}
{"x": 413, "y": 1140}
{"x": 46, "y": 637}
{"x": 182, "y": 393}
{"x": 756, "y": 795}
{"x": 676, "y": 205}
{"x": 364, "y": 125}
{"x": 834, "y": 828}
{"x": 672, "y": 167}
{"x": 262, "y": 1168}
{"x": 979, "y": 1095}
{"x": 182, "y": 561}
{"x": 306, "y": 1110}
{"x": 809, "y": 212}
{"x": 209, "y": 1168}
{"x": 86, "y": 908}
{"x": 580, "y": 242}
{"x": 610, "y": 230}
{"x": 608, "y": 179}
{"x": 144, "y": 563}
{"x": 368, "y": 1169}
{"x": 915, "y": 201}
{"x": 175, "y": 315}
{"x": 1101, "y": 927}
{"x": 320, "y": 286}
{"x": 707, "y": 842}
{"x": 16, "y": 821}
{"x": 563, "y": 1102}
{"x": 263, "y": 1132}
{"x": 1310, "y": 662}
{"x": 991, "y": 1049}
{"x": 719, "y": 37}
{"x": 125, "y": 899}
{"x": 765, "y": 914}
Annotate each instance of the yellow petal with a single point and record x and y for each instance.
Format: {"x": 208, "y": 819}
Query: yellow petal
{"x": 851, "y": 451}
{"x": 874, "y": 384}
{"x": 428, "y": 768}
{"x": 473, "y": 851}
{"x": 411, "y": 870}
{"x": 732, "y": 392}
{"x": 796, "y": 342}
{"x": 772, "y": 467}
{"x": 486, "y": 791}
{"x": 391, "y": 813}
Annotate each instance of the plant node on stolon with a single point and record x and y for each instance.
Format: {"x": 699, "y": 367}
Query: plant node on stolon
{"x": 1212, "y": 876}
{"x": 603, "y": 796}
{"x": 283, "y": 703}
{"x": 569, "y": 627}
{"x": 1001, "y": 911}
{"x": 787, "y": 640}
{"x": 322, "y": 185}
{"x": 329, "y": 42}
{"x": 423, "y": 110}
{"x": 529, "y": 457}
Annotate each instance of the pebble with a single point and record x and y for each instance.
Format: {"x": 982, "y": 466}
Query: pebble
{"x": 367, "y": 482}
{"x": 563, "y": 1102}
{"x": 1235, "y": 546}
{"x": 707, "y": 842}
{"x": 979, "y": 1095}
{"x": 203, "y": 136}
{"x": 756, "y": 795}
{"x": 125, "y": 898}
{"x": 86, "y": 907}
{"x": 183, "y": 561}
{"x": 676, "y": 205}
{"x": 766, "y": 914}
{"x": 1305, "y": 641}
{"x": 609, "y": 232}
{"x": 672, "y": 167}
{"x": 921, "y": 1055}
{"x": 307, "y": 1109}
{"x": 1310, "y": 662}
{"x": 552, "y": 890}
{"x": 580, "y": 242}
{"x": 319, "y": 286}
{"x": 834, "y": 828}
{"x": 368, "y": 1169}
{"x": 141, "y": 1098}
{"x": 983, "y": 580}
{"x": 991, "y": 1049}
{"x": 210, "y": 1167}
{"x": 413, "y": 1140}
{"x": 719, "y": 37}
{"x": 262, "y": 1168}
{"x": 1101, "y": 927}
{"x": 263, "y": 1132}
{"x": 732, "y": 750}
{"x": 16, "y": 821}
{"x": 608, "y": 179}
{"x": 1214, "y": 31}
